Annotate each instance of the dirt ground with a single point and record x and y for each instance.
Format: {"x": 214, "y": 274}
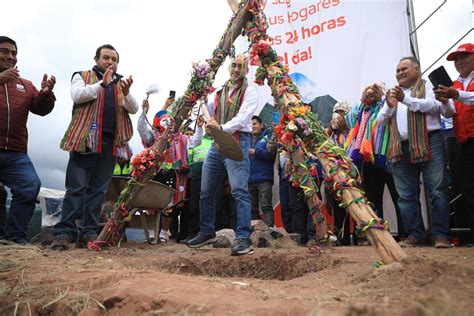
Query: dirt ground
{"x": 169, "y": 279}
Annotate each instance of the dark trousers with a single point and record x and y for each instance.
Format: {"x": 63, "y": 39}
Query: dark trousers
{"x": 194, "y": 191}
{"x": 301, "y": 221}
{"x": 261, "y": 197}
{"x": 467, "y": 167}
{"x": 374, "y": 180}
{"x": 87, "y": 179}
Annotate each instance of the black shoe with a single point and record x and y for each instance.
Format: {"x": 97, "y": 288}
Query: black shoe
{"x": 60, "y": 245}
{"x": 5, "y": 242}
{"x": 242, "y": 246}
{"x": 82, "y": 243}
{"x": 185, "y": 240}
{"x": 201, "y": 240}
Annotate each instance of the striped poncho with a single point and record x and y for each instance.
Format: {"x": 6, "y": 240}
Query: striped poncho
{"x": 84, "y": 133}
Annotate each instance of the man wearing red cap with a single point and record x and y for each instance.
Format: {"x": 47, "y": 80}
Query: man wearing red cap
{"x": 462, "y": 93}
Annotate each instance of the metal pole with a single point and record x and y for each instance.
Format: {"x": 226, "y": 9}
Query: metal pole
{"x": 412, "y": 29}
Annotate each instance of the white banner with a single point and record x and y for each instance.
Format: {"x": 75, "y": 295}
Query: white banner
{"x": 337, "y": 47}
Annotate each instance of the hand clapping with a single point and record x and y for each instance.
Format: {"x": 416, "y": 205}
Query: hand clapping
{"x": 11, "y": 74}
{"x": 126, "y": 84}
{"x": 47, "y": 85}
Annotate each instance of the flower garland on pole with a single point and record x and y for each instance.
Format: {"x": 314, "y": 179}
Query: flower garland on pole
{"x": 304, "y": 138}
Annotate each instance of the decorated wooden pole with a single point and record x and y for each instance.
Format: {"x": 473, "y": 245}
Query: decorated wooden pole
{"x": 151, "y": 158}
{"x": 300, "y": 132}
{"x": 306, "y": 141}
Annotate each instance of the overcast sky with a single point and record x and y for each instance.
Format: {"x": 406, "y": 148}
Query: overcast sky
{"x": 157, "y": 42}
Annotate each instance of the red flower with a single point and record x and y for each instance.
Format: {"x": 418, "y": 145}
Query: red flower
{"x": 313, "y": 172}
{"x": 279, "y": 130}
{"x": 287, "y": 138}
{"x": 295, "y": 184}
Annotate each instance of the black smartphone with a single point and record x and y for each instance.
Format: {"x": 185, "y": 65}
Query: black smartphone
{"x": 440, "y": 76}
{"x": 172, "y": 94}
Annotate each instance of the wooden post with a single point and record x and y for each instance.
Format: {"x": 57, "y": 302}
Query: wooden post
{"x": 383, "y": 242}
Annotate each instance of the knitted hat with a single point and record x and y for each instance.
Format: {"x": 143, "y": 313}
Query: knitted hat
{"x": 157, "y": 120}
{"x": 342, "y": 106}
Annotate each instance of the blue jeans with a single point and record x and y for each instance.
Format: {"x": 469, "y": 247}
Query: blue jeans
{"x": 17, "y": 173}
{"x": 238, "y": 172}
{"x": 87, "y": 179}
{"x": 261, "y": 196}
{"x": 406, "y": 176}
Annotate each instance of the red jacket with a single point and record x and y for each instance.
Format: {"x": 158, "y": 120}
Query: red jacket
{"x": 17, "y": 98}
{"x": 464, "y": 117}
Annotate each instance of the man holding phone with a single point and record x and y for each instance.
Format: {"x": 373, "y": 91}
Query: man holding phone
{"x": 18, "y": 97}
{"x": 462, "y": 92}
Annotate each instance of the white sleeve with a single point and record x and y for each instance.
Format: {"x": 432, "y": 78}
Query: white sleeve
{"x": 82, "y": 93}
{"x": 210, "y": 105}
{"x": 427, "y": 105}
{"x": 466, "y": 97}
{"x": 448, "y": 109}
{"x": 130, "y": 104}
{"x": 385, "y": 114}
{"x": 144, "y": 131}
{"x": 246, "y": 111}
{"x": 196, "y": 139}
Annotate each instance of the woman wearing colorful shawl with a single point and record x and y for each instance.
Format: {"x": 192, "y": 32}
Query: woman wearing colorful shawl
{"x": 367, "y": 145}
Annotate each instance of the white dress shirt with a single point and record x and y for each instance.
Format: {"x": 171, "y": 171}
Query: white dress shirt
{"x": 242, "y": 122}
{"x": 432, "y": 107}
{"x": 82, "y": 93}
{"x": 464, "y": 96}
